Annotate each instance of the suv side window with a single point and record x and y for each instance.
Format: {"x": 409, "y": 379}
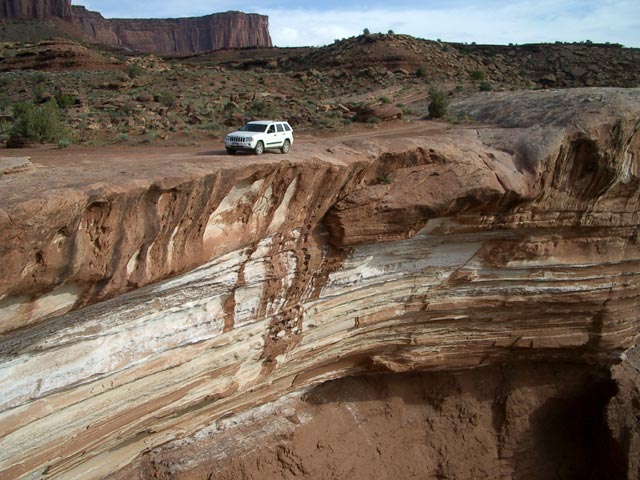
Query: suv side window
{"x": 287, "y": 127}
{"x": 272, "y": 129}
{"x": 279, "y": 126}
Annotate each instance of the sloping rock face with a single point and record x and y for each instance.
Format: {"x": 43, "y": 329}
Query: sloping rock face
{"x": 35, "y": 9}
{"x": 176, "y": 36}
{"x": 138, "y": 314}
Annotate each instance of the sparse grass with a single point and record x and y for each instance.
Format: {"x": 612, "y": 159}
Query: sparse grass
{"x": 385, "y": 100}
{"x": 457, "y": 118}
{"x": 406, "y": 109}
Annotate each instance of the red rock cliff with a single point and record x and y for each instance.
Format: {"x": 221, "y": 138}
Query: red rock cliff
{"x": 163, "y": 36}
{"x": 178, "y": 35}
{"x": 35, "y": 9}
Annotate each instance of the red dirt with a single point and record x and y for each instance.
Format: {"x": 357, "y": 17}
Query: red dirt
{"x": 526, "y": 422}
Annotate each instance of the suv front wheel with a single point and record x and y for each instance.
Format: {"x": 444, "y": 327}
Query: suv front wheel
{"x": 285, "y": 146}
{"x": 259, "y": 148}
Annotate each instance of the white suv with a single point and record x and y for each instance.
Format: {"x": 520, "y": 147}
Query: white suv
{"x": 260, "y": 136}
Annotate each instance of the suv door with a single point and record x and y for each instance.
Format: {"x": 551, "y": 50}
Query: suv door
{"x": 274, "y": 138}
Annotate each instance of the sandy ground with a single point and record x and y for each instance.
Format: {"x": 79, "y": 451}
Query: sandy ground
{"x": 77, "y": 166}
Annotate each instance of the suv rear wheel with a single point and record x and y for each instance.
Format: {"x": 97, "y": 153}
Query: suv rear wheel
{"x": 259, "y": 148}
{"x": 285, "y": 146}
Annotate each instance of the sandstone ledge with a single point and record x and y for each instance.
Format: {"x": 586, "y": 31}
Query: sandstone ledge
{"x": 138, "y": 308}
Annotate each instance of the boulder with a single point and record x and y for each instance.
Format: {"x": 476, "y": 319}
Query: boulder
{"x": 383, "y": 112}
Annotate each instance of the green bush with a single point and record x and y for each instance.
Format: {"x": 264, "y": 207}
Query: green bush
{"x": 385, "y": 100}
{"x": 477, "y": 75}
{"x": 438, "y": 104}
{"x": 65, "y": 100}
{"x": 40, "y": 123}
{"x": 421, "y": 72}
{"x": 263, "y": 109}
{"x": 485, "y": 87}
{"x": 167, "y": 99}
{"x": 64, "y": 143}
{"x": 39, "y": 78}
{"x": 4, "y": 101}
{"x": 134, "y": 70}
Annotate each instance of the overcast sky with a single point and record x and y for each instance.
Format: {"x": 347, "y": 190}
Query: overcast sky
{"x": 305, "y": 23}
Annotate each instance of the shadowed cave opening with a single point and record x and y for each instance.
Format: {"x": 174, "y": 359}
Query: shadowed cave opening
{"x": 536, "y": 421}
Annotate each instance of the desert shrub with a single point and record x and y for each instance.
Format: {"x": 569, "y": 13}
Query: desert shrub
{"x": 167, "y": 99}
{"x": 385, "y": 100}
{"x": 4, "y": 101}
{"x": 41, "y": 123}
{"x": 39, "y": 77}
{"x": 65, "y": 100}
{"x": 373, "y": 120}
{"x": 212, "y": 126}
{"x": 123, "y": 137}
{"x": 438, "y": 104}
{"x": 421, "y": 72}
{"x": 5, "y": 127}
{"x": 262, "y": 109}
{"x": 134, "y": 70}
{"x": 366, "y": 31}
{"x": 406, "y": 109}
{"x": 384, "y": 179}
{"x": 64, "y": 143}
{"x": 477, "y": 75}
{"x": 485, "y": 87}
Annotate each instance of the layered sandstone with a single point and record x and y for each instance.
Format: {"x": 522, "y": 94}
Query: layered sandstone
{"x": 35, "y": 9}
{"x": 162, "y": 36}
{"x": 140, "y": 309}
{"x": 178, "y": 35}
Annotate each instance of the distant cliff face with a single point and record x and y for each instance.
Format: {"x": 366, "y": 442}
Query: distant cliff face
{"x": 176, "y": 36}
{"x": 163, "y": 36}
{"x": 179, "y": 35}
{"x": 35, "y": 9}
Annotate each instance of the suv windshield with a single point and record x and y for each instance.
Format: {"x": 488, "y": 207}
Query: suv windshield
{"x": 254, "y": 127}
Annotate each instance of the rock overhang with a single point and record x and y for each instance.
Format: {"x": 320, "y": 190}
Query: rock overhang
{"x": 207, "y": 293}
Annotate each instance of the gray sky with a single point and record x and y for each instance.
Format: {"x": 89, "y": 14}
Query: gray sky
{"x": 302, "y": 23}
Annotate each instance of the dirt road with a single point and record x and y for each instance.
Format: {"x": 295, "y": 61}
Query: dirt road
{"x": 78, "y": 167}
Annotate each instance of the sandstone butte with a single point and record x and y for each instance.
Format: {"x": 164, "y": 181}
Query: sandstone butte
{"x": 152, "y": 304}
{"x": 161, "y": 36}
